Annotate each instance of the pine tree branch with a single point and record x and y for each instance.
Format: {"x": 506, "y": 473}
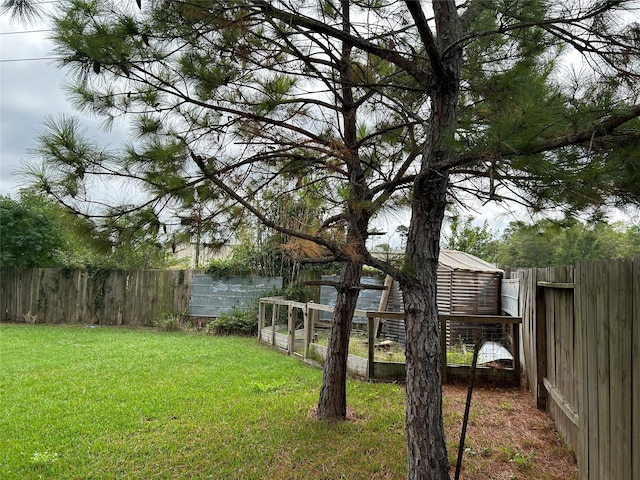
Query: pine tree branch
{"x": 600, "y": 130}
{"x": 549, "y": 24}
{"x": 474, "y": 8}
{"x": 426, "y": 36}
{"x": 397, "y": 273}
{"x": 259, "y": 213}
{"x": 421, "y": 75}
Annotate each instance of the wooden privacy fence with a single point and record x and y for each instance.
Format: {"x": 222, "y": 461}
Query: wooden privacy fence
{"x": 292, "y": 327}
{"x": 105, "y": 297}
{"x": 581, "y": 350}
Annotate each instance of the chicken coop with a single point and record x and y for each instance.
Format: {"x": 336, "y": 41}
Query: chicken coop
{"x": 470, "y": 311}
{"x": 467, "y": 285}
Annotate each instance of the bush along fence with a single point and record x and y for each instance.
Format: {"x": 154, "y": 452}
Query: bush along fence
{"x": 97, "y": 296}
{"x": 581, "y": 352}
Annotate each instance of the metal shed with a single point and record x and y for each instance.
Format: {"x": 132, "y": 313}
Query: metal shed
{"x": 467, "y": 285}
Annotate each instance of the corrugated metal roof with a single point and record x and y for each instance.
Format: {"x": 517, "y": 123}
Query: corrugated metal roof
{"x": 455, "y": 260}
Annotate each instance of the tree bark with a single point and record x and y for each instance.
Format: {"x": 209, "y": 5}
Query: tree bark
{"x": 332, "y": 404}
{"x": 426, "y": 446}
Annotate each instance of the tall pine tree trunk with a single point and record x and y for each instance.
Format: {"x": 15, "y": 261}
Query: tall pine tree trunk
{"x": 427, "y": 452}
{"x": 333, "y": 396}
{"x": 426, "y": 445}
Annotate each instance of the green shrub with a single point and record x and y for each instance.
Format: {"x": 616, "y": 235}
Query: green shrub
{"x": 298, "y": 293}
{"x": 235, "y": 322}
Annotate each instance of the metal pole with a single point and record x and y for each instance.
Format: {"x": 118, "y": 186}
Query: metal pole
{"x": 467, "y": 408}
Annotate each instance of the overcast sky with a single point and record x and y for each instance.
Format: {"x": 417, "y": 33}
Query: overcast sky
{"x": 30, "y": 90}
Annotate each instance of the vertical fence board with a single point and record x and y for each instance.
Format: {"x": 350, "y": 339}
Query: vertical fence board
{"x": 591, "y": 287}
{"x": 541, "y": 346}
{"x": 557, "y": 287}
{"x": 619, "y": 318}
{"x": 552, "y": 326}
{"x": 572, "y": 357}
{"x": 635, "y": 369}
{"x": 528, "y": 310}
{"x": 582, "y": 376}
{"x": 603, "y": 385}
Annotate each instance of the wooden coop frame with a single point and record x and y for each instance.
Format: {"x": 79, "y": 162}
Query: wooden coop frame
{"x": 299, "y": 342}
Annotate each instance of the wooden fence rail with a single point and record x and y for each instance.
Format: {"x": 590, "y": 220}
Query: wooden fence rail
{"x": 581, "y": 349}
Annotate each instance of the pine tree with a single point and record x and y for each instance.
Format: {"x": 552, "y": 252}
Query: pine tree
{"x": 362, "y": 103}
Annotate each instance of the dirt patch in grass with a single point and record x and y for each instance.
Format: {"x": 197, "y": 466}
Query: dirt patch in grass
{"x": 507, "y": 437}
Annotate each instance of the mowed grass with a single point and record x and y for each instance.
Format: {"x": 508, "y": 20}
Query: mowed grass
{"x": 115, "y": 403}
{"x": 91, "y": 403}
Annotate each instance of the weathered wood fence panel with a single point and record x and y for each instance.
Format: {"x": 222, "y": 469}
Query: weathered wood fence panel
{"x": 106, "y": 297}
{"x": 581, "y": 342}
{"x": 532, "y": 333}
{"x": 609, "y": 305}
{"x": 555, "y": 288}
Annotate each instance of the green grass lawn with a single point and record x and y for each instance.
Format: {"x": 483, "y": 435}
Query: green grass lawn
{"x": 90, "y": 403}
{"x": 115, "y": 403}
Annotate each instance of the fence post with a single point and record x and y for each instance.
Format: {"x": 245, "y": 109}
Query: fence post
{"x": 292, "y": 329}
{"x": 274, "y": 315}
{"x": 371, "y": 345}
{"x": 307, "y": 330}
{"x": 443, "y": 347}
{"x": 261, "y": 311}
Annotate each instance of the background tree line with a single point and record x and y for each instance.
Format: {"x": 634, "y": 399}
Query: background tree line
{"x": 545, "y": 242}
{"x": 36, "y": 232}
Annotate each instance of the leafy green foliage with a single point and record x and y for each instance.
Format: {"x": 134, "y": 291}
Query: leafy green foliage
{"x": 170, "y": 322}
{"x": 28, "y": 236}
{"x": 37, "y": 232}
{"x": 467, "y": 237}
{"x": 545, "y": 243}
{"x": 256, "y": 253}
{"x": 235, "y": 322}
{"x": 557, "y": 243}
